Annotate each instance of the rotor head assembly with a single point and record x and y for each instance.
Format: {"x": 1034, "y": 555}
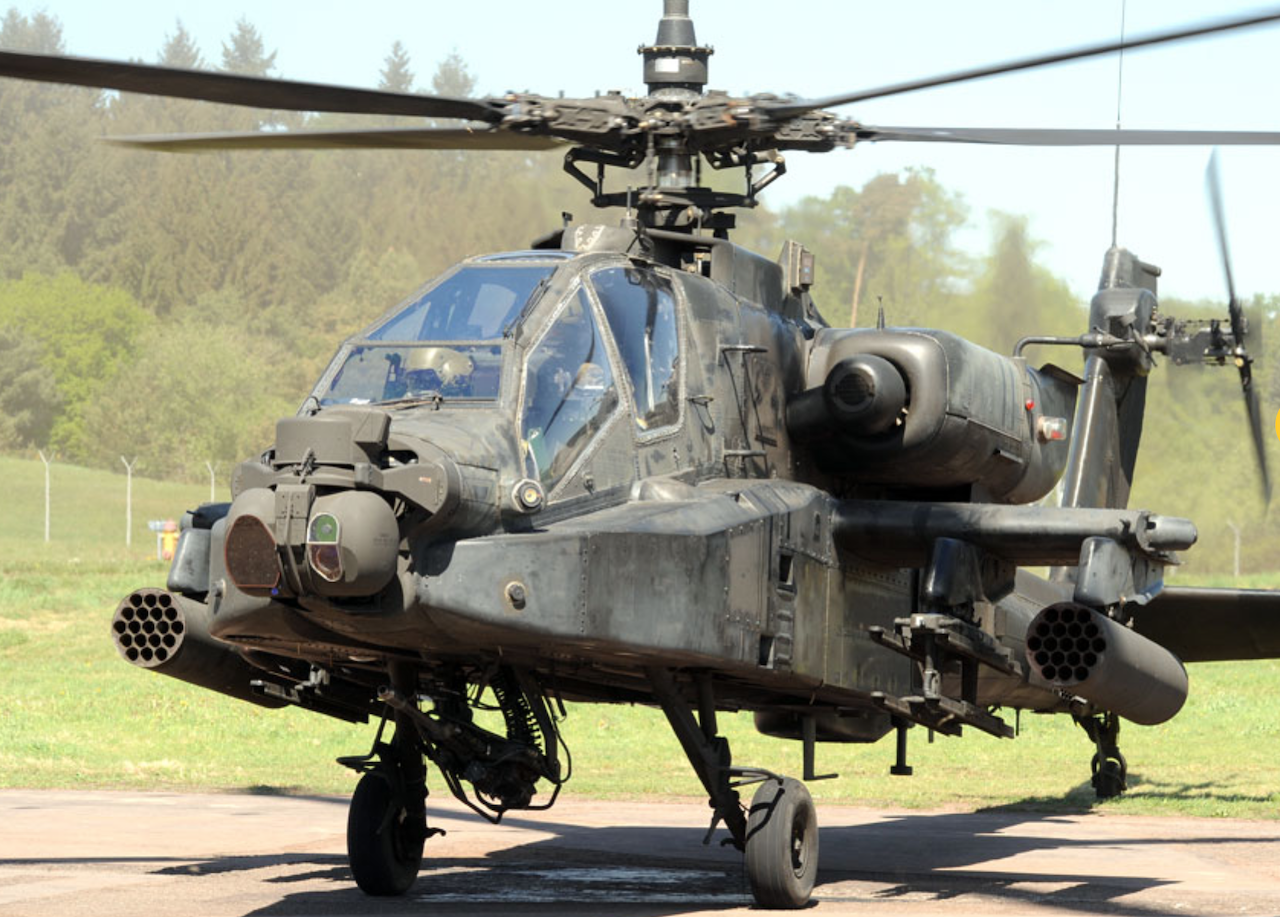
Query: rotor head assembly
{"x": 669, "y": 132}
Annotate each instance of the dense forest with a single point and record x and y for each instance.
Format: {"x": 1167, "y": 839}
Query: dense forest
{"x": 171, "y": 307}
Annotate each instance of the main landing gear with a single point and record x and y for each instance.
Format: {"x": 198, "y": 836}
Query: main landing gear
{"x": 782, "y": 844}
{"x": 1110, "y": 770}
{"x": 779, "y": 833}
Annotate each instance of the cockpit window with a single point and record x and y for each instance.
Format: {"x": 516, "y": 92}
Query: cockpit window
{"x": 386, "y": 373}
{"x": 477, "y": 303}
{"x": 641, "y": 309}
{"x": 569, "y": 393}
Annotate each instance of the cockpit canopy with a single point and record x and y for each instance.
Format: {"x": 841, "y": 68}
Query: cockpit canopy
{"x": 446, "y": 342}
{"x": 479, "y": 302}
{"x": 607, "y": 344}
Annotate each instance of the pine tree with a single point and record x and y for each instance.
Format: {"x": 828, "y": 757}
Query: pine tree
{"x": 245, "y": 53}
{"x": 452, "y": 78}
{"x": 180, "y": 50}
{"x": 40, "y": 33}
{"x": 396, "y": 75}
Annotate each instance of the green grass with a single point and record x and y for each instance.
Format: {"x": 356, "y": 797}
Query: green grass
{"x": 75, "y": 715}
{"x": 87, "y": 509}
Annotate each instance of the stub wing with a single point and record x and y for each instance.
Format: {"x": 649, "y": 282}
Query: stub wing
{"x": 1213, "y": 625}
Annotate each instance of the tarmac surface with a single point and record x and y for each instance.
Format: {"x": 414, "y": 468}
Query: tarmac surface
{"x": 64, "y": 854}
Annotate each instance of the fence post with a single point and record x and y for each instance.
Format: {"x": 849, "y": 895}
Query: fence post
{"x": 1235, "y": 567}
{"x": 128, "y": 501}
{"x": 47, "y": 462}
{"x": 212, "y": 480}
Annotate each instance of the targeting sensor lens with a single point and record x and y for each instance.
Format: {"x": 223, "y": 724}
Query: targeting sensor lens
{"x": 250, "y": 556}
{"x": 326, "y": 559}
{"x": 323, "y": 552}
{"x": 323, "y": 529}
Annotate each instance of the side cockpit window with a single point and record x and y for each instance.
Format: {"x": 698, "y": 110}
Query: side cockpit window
{"x": 640, "y": 307}
{"x": 569, "y": 392}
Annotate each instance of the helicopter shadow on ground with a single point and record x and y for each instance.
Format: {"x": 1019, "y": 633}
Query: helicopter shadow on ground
{"x": 1017, "y": 856}
{"x": 660, "y": 870}
{"x": 647, "y": 870}
{"x": 1081, "y": 800}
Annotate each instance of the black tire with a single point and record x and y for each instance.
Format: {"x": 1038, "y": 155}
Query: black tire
{"x": 782, "y": 845}
{"x": 384, "y": 842}
{"x": 1110, "y": 777}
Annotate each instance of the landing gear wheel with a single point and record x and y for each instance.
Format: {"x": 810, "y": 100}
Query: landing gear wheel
{"x": 1110, "y": 776}
{"x": 782, "y": 844}
{"x": 384, "y": 841}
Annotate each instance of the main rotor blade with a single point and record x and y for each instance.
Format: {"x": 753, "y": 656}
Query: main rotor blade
{"x": 789, "y": 109}
{"x": 238, "y": 89}
{"x": 392, "y": 138}
{"x": 1065, "y": 136}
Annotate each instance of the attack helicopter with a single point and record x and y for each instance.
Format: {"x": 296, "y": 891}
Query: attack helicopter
{"x": 633, "y": 464}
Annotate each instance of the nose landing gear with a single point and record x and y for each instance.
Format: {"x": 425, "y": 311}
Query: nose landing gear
{"x": 384, "y": 839}
{"x": 387, "y": 820}
{"x": 779, "y": 833}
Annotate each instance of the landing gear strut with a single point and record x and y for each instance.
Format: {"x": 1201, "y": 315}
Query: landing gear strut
{"x": 1110, "y": 771}
{"x": 387, "y": 820}
{"x": 779, "y": 834}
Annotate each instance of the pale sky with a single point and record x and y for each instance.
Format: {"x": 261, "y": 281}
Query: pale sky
{"x": 821, "y": 47}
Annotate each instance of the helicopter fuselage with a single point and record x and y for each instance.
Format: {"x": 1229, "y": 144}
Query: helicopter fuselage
{"x": 590, "y": 463}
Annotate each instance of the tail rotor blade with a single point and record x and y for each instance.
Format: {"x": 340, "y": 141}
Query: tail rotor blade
{"x": 1244, "y": 363}
{"x": 1255, "y": 430}
{"x": 1214, "y": 185}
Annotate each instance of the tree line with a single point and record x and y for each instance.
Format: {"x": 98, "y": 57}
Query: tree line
{"x": 173, "y": 306}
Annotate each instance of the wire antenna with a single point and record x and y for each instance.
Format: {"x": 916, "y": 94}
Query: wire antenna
{"x": 1115, "y": 188}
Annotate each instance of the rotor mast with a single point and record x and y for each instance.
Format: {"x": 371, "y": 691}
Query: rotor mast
{"x": 666, "y": 131}
{"x": 675, "y": 69}
{"x": 675, "y": 65}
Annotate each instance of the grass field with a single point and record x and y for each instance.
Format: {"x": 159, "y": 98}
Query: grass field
{"x": 75, "y": 715}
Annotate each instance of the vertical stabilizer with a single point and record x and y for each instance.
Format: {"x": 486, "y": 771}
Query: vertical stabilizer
{"x": 1108, "y": 422}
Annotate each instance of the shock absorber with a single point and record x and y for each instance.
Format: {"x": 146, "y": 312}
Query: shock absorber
{"x": 522, "y": 725}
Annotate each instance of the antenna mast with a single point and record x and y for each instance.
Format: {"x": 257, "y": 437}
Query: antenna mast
{"x": 1115, "y": 189}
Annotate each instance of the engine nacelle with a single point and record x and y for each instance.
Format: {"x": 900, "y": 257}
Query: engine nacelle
{"x": 929, "y": 409}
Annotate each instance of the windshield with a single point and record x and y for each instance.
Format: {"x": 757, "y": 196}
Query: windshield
{"x": 477, "y": 303}
{"x": 379, "y": 373}
{"x": 445, "y": 344}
